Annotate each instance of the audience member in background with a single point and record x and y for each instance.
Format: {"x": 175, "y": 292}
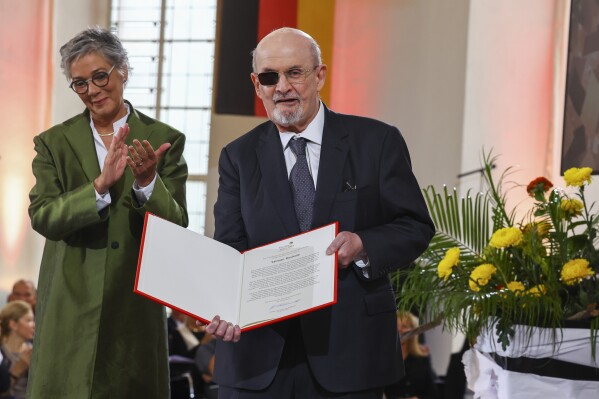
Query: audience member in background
{"x": 184, "y": 336}
{"x": 17, "y": 327}
{"x": 24, "y": 290}
{"x": 419, "y": 381}
{"x": 96, "y": 176}
{"x": 204, "y": 360}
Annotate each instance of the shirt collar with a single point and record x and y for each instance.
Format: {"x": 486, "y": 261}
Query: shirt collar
{"x": 313, "y": 132}
{"x": 116, "y": 125}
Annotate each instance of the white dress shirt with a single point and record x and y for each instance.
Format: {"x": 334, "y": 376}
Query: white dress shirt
{"x": 313, "y": 134}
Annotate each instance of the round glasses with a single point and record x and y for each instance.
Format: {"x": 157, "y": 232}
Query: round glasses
{"x": 293, "y": 76}
{"x": 100, "y": 79}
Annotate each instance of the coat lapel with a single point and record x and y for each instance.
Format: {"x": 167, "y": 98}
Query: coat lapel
{"x": 138, "y": 129}
{"x": 79, "y": 136}
{"x": 275, "y": 181}
{"x": 333, "y": 154}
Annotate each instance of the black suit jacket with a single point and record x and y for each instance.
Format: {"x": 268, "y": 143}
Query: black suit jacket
{"x": 354, "y": 344}
{"x": 420, "y": 380}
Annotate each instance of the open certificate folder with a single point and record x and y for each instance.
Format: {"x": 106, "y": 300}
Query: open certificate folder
{"x": 202, "y": 277}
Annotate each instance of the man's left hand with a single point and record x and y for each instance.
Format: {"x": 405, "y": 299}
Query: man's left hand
{"x": 349, "y": 248}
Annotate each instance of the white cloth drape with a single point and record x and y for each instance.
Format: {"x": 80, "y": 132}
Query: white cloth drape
{"x": 488, "y": 380}
{"x": 573, "y": 344}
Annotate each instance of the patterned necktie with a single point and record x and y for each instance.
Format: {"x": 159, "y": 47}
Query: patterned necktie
{"x": 302, "y": 184}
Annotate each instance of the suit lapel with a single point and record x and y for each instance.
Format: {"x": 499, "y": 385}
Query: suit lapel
{"x": 79, "y": 136}
{"x": 275, "y": 181}
{"x": 333, "y": 154}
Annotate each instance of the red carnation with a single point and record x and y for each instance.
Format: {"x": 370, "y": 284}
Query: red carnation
{"x": 540, "y": 185}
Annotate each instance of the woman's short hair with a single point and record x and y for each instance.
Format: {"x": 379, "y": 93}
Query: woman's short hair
{"x": 12, "y": 311}
{"x": 94, "y": 40}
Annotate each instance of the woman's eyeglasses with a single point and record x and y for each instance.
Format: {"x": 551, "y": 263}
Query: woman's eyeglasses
{"x": 100, "y": 79}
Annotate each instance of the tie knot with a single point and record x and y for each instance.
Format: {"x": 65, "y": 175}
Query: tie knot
{"x": 298, "y": 146}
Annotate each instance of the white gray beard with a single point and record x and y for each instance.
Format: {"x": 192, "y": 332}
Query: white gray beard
{"x": 288, "y": 118}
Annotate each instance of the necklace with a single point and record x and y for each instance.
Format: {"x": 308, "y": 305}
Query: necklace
{"x": 105, "y": 134}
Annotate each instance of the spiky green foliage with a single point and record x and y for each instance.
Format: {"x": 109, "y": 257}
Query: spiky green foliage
{"x": 524, "y": 281}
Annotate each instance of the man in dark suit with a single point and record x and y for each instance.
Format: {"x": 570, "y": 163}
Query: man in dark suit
{"x": 361, "y": 176}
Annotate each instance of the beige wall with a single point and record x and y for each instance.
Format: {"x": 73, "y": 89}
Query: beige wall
{"x": 404, "y": 62}
{"x": 224, "y": 129}
{"x": 509, "y": 103}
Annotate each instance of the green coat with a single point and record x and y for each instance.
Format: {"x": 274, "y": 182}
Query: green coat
{"x": 94, "y": 337}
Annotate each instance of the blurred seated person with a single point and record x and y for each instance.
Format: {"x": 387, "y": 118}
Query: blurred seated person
{"x": 419, "y": 381}
{"x": 24, "y": 290}
{"x": 184, "y": 336}
{"x": 204, "y": 360}
{"x": 17, "y": 327}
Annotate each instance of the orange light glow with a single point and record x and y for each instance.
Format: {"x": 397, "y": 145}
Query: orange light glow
{"x": 25, "y": 79}
{"x": 13, "y": 218}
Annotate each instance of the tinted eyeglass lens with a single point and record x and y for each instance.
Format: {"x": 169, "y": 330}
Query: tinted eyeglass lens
{"x": 79, "y": 86}
{"x": 100, "y": 79}
{"x": 268, "y": 78}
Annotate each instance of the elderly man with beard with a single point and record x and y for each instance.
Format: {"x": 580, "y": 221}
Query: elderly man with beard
{"x": 306, "y": 167}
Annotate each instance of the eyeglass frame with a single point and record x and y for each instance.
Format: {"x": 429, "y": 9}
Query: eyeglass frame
{"x": 305, "y": 73}
{"x": 86, "y": 81}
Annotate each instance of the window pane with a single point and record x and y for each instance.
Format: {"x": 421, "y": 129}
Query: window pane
{"x": 187, "y": 69}
{"x": 196, "y": 205}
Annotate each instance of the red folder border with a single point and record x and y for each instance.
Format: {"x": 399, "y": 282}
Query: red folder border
{"x": 248, "y": 328}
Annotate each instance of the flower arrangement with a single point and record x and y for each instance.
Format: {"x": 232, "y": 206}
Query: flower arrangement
{"x": 485, "y": 267}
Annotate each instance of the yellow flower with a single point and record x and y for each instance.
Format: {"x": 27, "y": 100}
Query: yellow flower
{"x": 575, "y": 271}
{"x": 571, "y": 207}
{"x": 537, "y": 290}
{"x": 481, "y": 275}
{"x": 451, "y": 259}
{"x": 506, "y": 237}
{"x": 576, "y": 177}
{"x": 516, "y": 287}
{"x": 541, "y": 226}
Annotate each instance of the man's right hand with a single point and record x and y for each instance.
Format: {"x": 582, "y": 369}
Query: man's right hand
{"x": 224, "y": 330}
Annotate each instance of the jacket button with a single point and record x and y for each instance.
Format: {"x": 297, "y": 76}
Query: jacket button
{"x": 114, "y": 245}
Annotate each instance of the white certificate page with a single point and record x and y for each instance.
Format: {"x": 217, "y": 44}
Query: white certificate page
{"x": 288, "y": 277}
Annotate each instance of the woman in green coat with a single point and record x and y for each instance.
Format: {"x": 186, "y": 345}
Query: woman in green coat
{"x": 97, "y": 174}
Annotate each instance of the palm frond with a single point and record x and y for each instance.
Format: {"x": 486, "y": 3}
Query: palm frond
{"x": 464, "y": 222}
